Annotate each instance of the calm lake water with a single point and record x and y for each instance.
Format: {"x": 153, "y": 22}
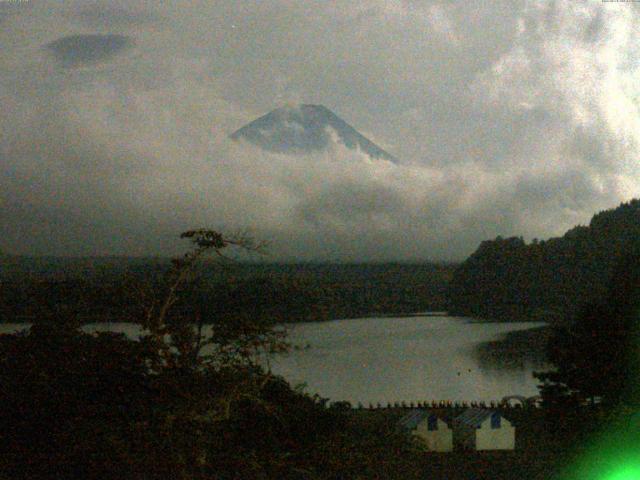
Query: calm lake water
{"x": 411, "y": 359}
{"x": 389, "y": 359}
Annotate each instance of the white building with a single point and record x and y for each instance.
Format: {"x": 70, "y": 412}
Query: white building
{"x": 481, "y": 429}
{"x": 431, "y": 428}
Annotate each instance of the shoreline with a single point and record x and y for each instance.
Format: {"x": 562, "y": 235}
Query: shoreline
{"x": 372, "y": 316}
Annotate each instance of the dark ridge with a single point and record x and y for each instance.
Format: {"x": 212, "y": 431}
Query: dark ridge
{"x": 548, "y": 280}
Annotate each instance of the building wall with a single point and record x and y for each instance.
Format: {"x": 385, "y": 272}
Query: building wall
{"x": 503, "y": 438}
{"x": 440, "y": 440}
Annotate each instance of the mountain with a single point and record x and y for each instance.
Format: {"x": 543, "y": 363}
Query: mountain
{"x": 306, "y": 129}
{"x": 552, "y": 280}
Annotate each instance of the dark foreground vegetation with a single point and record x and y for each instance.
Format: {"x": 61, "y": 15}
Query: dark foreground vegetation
{"x": 548, "y": 280}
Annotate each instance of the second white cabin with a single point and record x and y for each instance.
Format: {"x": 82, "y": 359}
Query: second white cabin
{"x": 480, "y": 429}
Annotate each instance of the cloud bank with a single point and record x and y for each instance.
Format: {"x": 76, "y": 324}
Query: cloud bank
{"x": 510, "y": 118}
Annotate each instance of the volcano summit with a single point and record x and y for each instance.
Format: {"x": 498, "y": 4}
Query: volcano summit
{"x": 306, "y": 129}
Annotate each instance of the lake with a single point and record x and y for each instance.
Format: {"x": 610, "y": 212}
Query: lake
{"x": 389, "y": 359}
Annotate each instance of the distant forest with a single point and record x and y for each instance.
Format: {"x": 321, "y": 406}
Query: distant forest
{"x": 508, "y": 279}
{"x": 112, "y": 289}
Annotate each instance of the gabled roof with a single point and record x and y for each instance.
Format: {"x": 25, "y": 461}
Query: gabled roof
{"x": 412, "y": 419}
{"x": 473, "y": 417}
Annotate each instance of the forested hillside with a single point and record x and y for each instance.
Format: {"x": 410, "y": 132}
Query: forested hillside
{"x": 508, "y": 279}
{"x": 101, "y": 289}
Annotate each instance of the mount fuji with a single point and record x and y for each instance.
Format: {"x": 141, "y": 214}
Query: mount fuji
{"x": 306, "y": 129}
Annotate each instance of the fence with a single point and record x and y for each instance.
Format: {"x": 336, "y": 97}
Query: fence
{"x": 444, "y": 404}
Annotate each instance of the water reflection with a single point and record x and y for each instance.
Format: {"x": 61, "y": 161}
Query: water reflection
{"x": 412, "y": 359}
{"x": 515, "y": 351}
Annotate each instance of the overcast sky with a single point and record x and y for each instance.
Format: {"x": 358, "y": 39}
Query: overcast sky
{"x": 510, "y": 118}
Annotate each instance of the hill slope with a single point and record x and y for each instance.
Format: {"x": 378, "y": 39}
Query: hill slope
{"x": 508, "y": 279}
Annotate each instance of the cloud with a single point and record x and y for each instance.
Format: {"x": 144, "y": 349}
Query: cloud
{"x": 101, "y": 15}
{"x": 510, "y": 118}
{"x": 74, "y": 50}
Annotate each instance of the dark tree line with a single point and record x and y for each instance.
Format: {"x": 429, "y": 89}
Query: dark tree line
{"x": 596, "y": 356}
{"x": 289, "y": 293}
{"x": 551, "y": 280}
